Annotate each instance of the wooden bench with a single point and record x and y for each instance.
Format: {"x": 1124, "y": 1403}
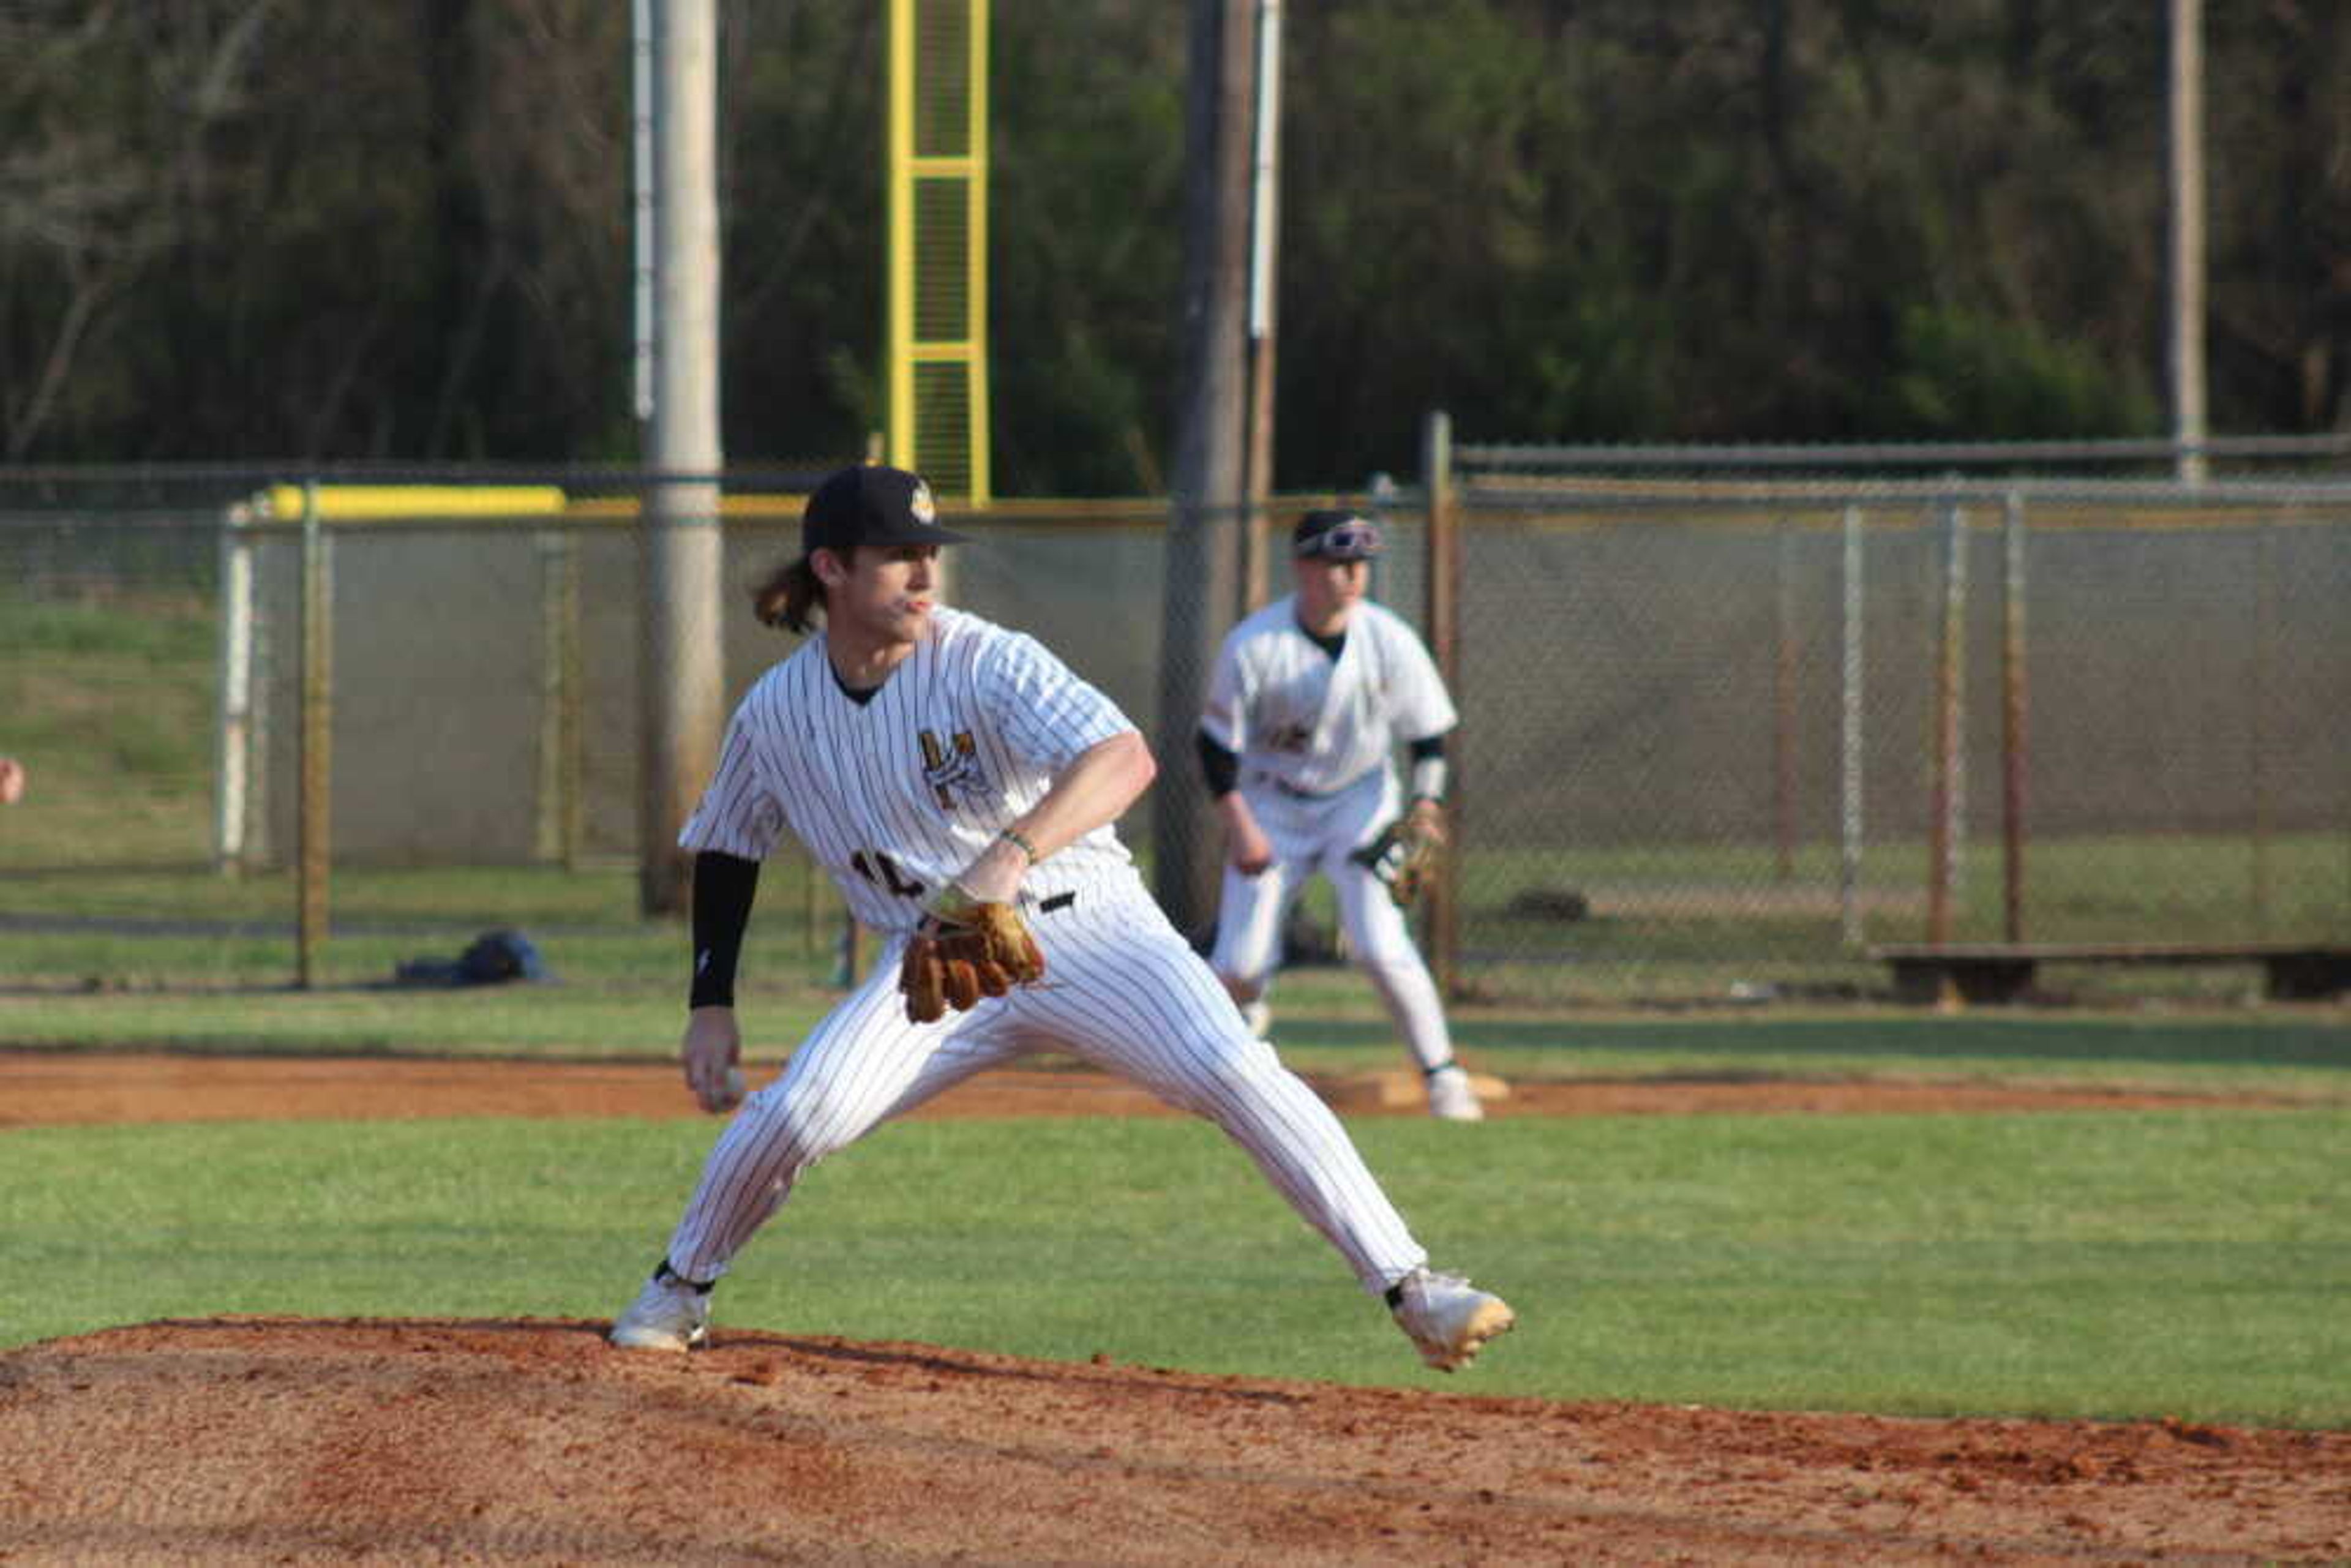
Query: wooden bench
{"x": 2002, "y": 971}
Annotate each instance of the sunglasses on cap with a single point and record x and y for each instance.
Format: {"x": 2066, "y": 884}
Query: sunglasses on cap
{"x": 1353, "y": 539}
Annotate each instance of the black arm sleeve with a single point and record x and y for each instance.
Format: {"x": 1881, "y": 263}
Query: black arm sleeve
{"x": 1221, "y": 767}
{"x": 1429, "y": 768}
{"x": 723, "y": 887}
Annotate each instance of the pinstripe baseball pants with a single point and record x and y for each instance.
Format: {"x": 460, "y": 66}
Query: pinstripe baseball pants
{"x": 1122, "y": 990}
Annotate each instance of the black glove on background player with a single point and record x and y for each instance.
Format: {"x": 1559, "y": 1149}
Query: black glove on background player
{"x": 1403, "y": 855}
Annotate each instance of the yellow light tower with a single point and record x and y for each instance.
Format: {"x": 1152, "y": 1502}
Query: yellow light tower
{"x": 938, "y": 244}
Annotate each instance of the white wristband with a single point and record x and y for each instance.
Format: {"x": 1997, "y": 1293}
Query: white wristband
{"x": 1428, "y": 779}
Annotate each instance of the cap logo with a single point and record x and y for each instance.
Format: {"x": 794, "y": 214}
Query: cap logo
{"x": 925, "y": 509}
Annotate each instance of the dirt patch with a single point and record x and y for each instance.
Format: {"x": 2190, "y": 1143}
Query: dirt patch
{"x": 531, "y": 1441}
{"x": 68, "y": 1088}
{"x": 254, "y": 1439}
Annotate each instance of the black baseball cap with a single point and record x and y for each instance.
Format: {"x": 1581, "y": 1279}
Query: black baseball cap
{"x": 871, "y": 505}
{"x": 1335, "y": 536}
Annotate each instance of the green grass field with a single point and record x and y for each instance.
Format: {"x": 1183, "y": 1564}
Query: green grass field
{"x": 2190, "y": 1264}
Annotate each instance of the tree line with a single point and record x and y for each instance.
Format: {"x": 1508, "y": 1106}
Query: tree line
{"x": 252, "y": 229}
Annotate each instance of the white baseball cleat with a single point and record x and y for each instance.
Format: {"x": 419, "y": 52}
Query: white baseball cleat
{"x": 668, "y": 1314}
{"x": 1447, "y": 1317}
{"x": 1450, "y": 1097}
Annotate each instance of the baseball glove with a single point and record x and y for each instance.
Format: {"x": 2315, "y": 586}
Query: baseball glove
{"x": 1403, "y": 855}
{"x": 964, "y": 951}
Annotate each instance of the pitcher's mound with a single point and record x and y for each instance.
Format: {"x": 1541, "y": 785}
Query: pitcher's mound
{"x": 249, "y": 1439}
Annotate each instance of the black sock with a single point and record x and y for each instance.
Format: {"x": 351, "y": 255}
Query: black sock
{"x": 668, "y": 1275}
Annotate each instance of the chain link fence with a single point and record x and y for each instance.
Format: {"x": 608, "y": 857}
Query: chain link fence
{"x": 1724, "y": 726}
{"x": 108, "y": 620}
{"x": 1727, "y": 728}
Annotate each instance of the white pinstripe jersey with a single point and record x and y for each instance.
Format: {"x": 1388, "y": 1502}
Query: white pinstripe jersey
{"x": 1317, "y": 723}
{"x": 895, "y": 796}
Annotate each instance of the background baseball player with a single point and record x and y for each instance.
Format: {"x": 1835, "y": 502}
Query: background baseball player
{"x": 959, "y": 785}
{"x": 1308, "y": 700}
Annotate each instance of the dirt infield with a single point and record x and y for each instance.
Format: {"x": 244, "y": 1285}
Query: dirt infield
{"x": 531, "y": 1441}
{"x": 81, "y": 1088}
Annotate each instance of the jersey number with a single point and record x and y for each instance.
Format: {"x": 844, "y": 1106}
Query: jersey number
{"x": 882, "y": 872}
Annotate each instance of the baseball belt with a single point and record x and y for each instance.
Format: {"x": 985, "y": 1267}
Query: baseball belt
{"x": 1284, "y": 787}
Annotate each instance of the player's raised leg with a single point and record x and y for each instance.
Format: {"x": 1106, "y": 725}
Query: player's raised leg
{"x": 1132, "y": 996}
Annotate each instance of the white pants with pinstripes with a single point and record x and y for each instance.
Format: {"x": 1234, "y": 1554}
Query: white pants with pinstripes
{"x": 1122, "y": 990}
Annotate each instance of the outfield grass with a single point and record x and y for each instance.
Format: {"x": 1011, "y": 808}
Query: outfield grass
{"x": 2191, "y": 1264}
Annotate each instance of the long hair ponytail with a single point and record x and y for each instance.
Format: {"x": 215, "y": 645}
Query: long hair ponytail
{"x": 791, "y": 599}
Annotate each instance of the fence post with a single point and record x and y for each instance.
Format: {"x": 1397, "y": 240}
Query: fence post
{"x": 1443, "y": 603}
{"x": 1944, "y": 832}
{"x": 2264, "y": 664}
{"x": 558, "y": 836}
{"x": 1784, "y": 706}
{"x": 315, "y": 832}
{"x": 233, "y": 760}
{"x": 1850, "y": 772}
{"x": 2015, "y": 692}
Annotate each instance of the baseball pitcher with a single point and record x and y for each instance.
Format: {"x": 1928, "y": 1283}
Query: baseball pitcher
{"x": 959, "y": 785}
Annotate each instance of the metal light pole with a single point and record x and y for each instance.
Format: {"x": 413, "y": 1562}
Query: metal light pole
{"x": 680, "y": 535}
{"x": 1209, "y": 448}
{"x": 2187, "y": 99}
{"x": 1265, "y": 184}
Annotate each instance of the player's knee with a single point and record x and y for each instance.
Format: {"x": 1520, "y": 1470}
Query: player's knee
{"x": 1399, "y": 973}
{"x": 1229, "y": 1077}
{"x": 804, "y": 1126}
